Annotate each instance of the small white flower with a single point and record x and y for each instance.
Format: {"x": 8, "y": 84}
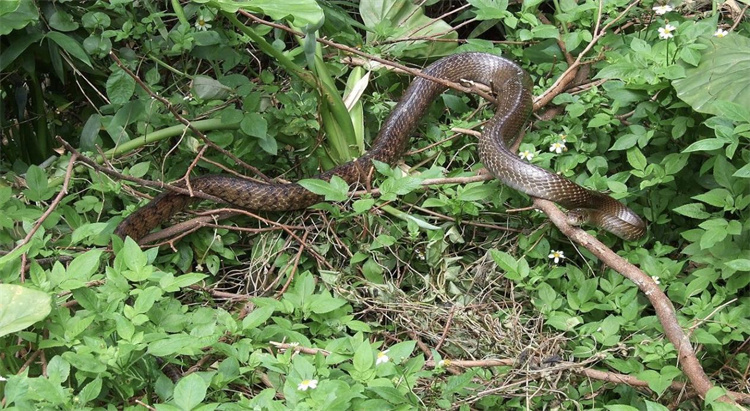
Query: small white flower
{"x": 305, "y": 384}
{"x": 656, "y": 279}
{"x": 562, "y": 137}
{"x": 720, "y": 33}
{"x": 444, "y": 363}
{"x": 556, "y": 255}
{"x": 201, "y": 23}
{"x": 662, "y": 10}
{"x": 558, "y": 147}
{"x": 382, "y": 358}
{"x": 526, "y": 155}
{"x": 666, "y": 32}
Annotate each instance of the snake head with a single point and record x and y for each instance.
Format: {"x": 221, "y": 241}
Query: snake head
{"x": 578, "y": 217}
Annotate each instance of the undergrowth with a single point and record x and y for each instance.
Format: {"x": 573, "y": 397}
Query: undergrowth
{"x": 431, "y": 286}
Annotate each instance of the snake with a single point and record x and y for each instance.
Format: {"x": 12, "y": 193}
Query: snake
{"x": 512, "y": 87}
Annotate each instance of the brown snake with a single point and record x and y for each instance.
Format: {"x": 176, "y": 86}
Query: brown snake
{"x": 514, "y": 104}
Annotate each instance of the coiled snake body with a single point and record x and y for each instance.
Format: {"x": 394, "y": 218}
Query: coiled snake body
{"x": 514, "y": 105}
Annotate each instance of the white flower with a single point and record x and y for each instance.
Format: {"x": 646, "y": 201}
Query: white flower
{"x": 666, "y": 32}
{"x": 526, "y": 155}
{"x": 562, "y": 137}
{"x": 305, "y": 384}
{"x": 382, "y": 358}
{"x": 720, "y": 33}
{"x": 202, "y": 23}
{"x": 558, "y": 147}
{"x": 556, "y": 255}
{"x": 662, "y": 10}
{"x": 656, "y": 279}
{"x": 444, "y": 363}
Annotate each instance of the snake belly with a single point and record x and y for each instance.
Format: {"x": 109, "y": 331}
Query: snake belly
{"x": 514, "y": 104}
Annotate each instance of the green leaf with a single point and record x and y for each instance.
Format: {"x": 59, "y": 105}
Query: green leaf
{"x": 120, "y": 87}
{"x": 720, "y": 76}
{"x": 718, "y": 197}
{"x": 90, "y": 391}
{"x": 711, "y": 237}
{"x": 146, "y": 299}
{"x": 36, "y": 180}
{"x": 15, "y": 15}
{"x": 86, "y": 264}
{"x": 62, "y": 21}
{"x": 90, "y": 132}
{"x": 363, "y": 205}
{"x": 476, "y": 191}
{"x": 636, "y": 158}
{"x": 300, "y": 12}
{"x": 706, "y": 144}
{"x": 400, "y": 19}
{"x": 190, "y": 392}
{"x": 207, "y": 88}
{"x": 170, "y": 283}
{"x": 504, "y": 260}
{"x": 321, "y": 304}
{"x": 693, "y": 210}
{"x": 399, "y": 186}
{"x": 257, "y": 317}
{"x": 333, "y": 190}
{"x": 733, "y": 111}
{"x": 743, "y": 172}
{"x": 71, "y": 46}
{"x": 84, "y": 362}
{"x": 490, "y": 9}
{"x": 21, "y": 307}
{"x": 740, "y": 264}
{"x": 625, "y": 142}
{"x": 653, "y": 406}
{"x": 16, "y": 48}
{"x": 364, "y": 357}
{"x": 656, "y": 382}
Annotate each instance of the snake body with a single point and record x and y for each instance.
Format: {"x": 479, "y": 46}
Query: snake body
{"x": 514, "y": 104}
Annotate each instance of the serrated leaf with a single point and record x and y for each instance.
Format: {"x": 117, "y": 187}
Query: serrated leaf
{"x": 21, "y": 307}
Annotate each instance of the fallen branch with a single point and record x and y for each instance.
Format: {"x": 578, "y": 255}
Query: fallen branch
{"x": 662, "y": 305}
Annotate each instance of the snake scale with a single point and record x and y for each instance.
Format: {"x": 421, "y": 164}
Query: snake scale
{"x": 514, "y": 104}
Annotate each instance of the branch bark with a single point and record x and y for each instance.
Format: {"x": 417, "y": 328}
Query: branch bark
{"x": 662, "y": 305}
